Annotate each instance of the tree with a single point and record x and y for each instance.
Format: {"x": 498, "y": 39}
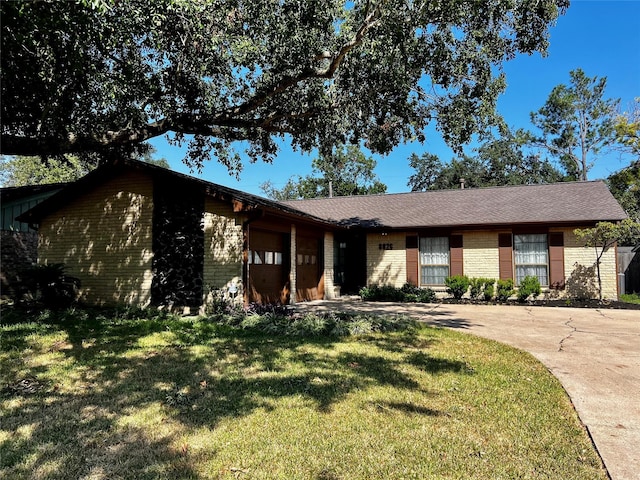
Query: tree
{"x": 498, "y": 162}
{"x": 575, "y": 123}
{"x": 627, "y": 129}
{"x": 605, "y": 235}
{"x": 625, "y": 186}
{"x": 103, "y": 76}
{"x": 346, "y": 171}
{"x": 507, "y": 164}
{"x": 21, "y": 170}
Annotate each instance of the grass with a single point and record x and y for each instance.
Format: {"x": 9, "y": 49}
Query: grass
{"x": 630, "y": 298}
{"x": 102, "y": 396}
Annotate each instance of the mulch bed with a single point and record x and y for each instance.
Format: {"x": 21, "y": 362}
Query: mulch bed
{"x": 609, "y": 304}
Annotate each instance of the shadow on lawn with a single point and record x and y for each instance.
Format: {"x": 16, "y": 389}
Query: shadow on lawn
{"x": 204, "y": 374}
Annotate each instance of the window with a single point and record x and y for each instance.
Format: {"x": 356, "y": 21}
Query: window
{"x": 261, "y": 257}
{"x": 434, "y": 260}
{"x": 531, "y": 255}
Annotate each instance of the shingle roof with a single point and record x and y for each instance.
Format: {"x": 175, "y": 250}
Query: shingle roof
{"x": 89, "y": 181}
{"x": 571, "y": 202}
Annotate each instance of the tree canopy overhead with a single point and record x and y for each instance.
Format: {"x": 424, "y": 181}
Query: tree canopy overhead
{"x": 98, "y": 75}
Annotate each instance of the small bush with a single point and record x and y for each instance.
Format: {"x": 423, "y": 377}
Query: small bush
{"x": 505, "y": 290}
{"x": 407, "y": 293}
{"x": 529, "y": 286}
{"x": 489, "y": 290}
{"x": 48, "y": 284}
{"x": 481, "y": 288}
{"x": 457, "y": 285}
{"x": 328, "y": 324}
{"x": 384, "y": 293}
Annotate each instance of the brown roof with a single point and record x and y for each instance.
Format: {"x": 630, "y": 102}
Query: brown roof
{"x": 570, "y": 202}
{"x": 89, "y": 181}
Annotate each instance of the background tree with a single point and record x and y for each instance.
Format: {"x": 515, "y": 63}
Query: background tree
{"x": 498, "y": 162}
{"x": 346, "y": 171}
{"x": 575, "y": 123}
{"x": 21, "y": 170}
{"x": 96, "y": 75}
{"x": 627, "y": 129}
{"x": 625, "y": 186}
{"x": 625, "y": 183}
{"x": 605, "y": 235}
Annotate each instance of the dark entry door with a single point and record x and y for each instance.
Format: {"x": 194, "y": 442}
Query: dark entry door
{"x": 350, "y": 261}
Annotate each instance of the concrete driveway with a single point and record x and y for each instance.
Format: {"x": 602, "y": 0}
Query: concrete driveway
{"x": 595, "y": 353}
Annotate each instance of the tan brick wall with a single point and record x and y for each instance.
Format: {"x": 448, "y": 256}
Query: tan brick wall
{"x": 580, "y": 272}
{"x": 223, "y": 241}
{"x": 480, "y": 254}
{"x": 104, "y": 238}
{"x": 386, "y": 267}
{"x": 480, "y": 259}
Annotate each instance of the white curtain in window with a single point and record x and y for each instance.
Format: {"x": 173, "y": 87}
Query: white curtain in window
{"x": 434, "y": 260}
{"x": 531, "y": 257}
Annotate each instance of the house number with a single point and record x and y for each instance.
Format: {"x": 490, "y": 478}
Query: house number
{"x": 385, "y": 246}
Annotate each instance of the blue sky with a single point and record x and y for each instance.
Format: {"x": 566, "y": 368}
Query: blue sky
{"x": 600, "y": 36}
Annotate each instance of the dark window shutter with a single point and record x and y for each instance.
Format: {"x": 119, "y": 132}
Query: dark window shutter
{"x": 412, "y": 259}
{"x": 556, "y": 260}
{"x": 455, "y": 250}
{"x": 505, "y": 255}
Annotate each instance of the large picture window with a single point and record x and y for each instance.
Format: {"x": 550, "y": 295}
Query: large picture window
{"x": 531, "y": 254}
{"x": 434, "y": 260}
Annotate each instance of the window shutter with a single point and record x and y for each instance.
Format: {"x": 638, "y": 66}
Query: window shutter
{"x": 556, "y": 260}
{"x": 505, "y": 255}
{"x": 455, "y": 250}
{"x": 412, "y": 259}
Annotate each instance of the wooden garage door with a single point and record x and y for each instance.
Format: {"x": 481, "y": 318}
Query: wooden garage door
{"x": 268, "y": 265}
{"x": 309, "y": 269}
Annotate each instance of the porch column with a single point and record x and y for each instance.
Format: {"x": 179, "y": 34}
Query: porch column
{"x": 329, "y": 288}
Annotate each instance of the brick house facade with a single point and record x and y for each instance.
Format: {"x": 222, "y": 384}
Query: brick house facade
{"x": 138, "y": 234}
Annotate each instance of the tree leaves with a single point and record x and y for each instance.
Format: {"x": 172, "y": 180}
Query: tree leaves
{"x": 104, "y": 76}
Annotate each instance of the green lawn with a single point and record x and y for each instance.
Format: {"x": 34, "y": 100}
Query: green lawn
{"x": 125, "y": 397}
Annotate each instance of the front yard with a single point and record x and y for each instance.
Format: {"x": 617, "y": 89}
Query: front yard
{"x": 105, "y": 396}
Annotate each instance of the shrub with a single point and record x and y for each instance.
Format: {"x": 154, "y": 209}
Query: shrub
{"x": 49, "y": 284}
{"x": 457, "y": 285}
{"x": 384, "y": 293}
{"x": 529, "y": 286}
{"x": 325, "y": 324}
{"x": 505, "y": 290}
{"x": 489, "y": 289}
{"x": 407, "y": 293}
{"x": 481, "y": 287}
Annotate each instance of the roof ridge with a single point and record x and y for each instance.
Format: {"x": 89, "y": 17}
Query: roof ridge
{"x": 447, "y": 190}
